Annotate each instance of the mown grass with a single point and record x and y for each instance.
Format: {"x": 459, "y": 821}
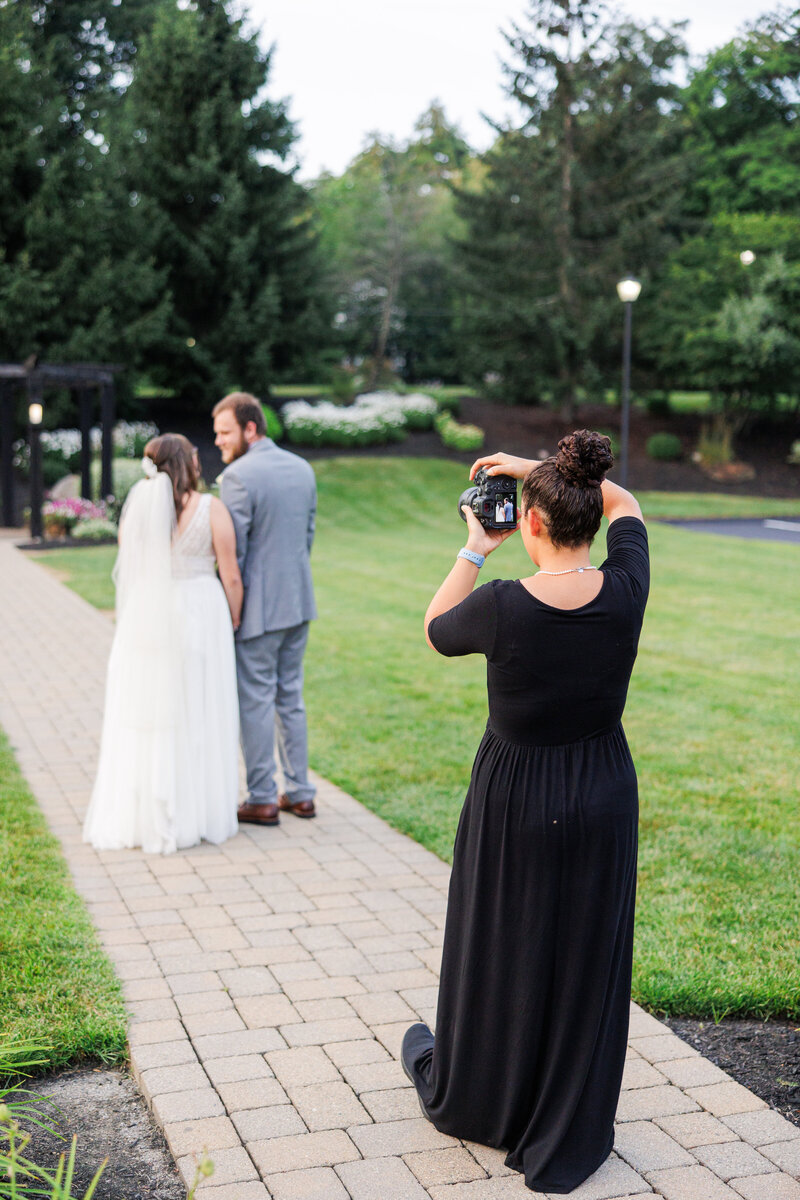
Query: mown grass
{"x": 57, "y": 988}
{"x": 710, "y": 718}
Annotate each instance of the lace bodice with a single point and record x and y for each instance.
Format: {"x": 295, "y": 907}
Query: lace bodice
{"x": 192, "y": 549}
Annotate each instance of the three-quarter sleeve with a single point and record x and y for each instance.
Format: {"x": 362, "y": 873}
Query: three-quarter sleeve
{"x": 470, "y": 627}
{"x": 628, "y": 554}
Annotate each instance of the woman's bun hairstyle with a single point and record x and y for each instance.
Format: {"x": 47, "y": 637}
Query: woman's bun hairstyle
{"x": 584, "y": 457}
{"x": 565, "y": 489}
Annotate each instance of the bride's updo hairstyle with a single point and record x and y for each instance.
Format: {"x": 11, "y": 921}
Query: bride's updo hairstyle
{"x": 175, "y": 455}
{"x": 565, "y": 489}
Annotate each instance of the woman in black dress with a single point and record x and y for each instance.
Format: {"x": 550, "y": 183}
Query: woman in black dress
{"x": 532, "y": 1020}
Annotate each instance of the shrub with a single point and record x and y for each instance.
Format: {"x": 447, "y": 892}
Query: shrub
{"x": 665, "y": 447}
{"x": 794, "y": 454}
{"x": 458, "y": 437}
{"x": 326, "y": 424}
{"x": 343, "y": 383}
{"x": 418, "y": 409}
{"x": 657, "y": 404}
{"x": 61, "y": 448}
{"x": 60, "y": 454}
{"x": 128, "y": 438}
{"x": 94, "y": 529}
{"x": 274, "y": 426}
{"x": 125, "y": 472}
{"x": 448, "y": 403}
{"x": 715, "y": 444}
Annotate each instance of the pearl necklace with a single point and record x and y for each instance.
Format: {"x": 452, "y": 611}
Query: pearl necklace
{"x": 570, "y": 571}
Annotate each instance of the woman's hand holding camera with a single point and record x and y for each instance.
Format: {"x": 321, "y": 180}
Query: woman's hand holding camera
{"x": 483, "y": 541}
{"x": 503, "y": 464}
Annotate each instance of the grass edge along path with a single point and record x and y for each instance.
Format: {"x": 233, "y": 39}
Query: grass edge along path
{"x": 710, "y": 717}
{"x": 57, "y": 987}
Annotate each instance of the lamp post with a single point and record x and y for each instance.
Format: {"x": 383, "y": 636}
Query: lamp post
{"x": 34, "y": 423}
{"x": 628, "y": 290}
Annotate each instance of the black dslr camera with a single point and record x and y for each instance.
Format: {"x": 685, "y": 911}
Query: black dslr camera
{"x": 493, "y": 499}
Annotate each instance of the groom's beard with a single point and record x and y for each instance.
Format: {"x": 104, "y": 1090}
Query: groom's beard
{"x": 235, "y": 450}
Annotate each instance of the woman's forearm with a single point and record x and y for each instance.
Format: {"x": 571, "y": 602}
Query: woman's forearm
{"x": 617, "y": 502}
{"x": 455, "y": 588}
{"x": 234, "y": 594}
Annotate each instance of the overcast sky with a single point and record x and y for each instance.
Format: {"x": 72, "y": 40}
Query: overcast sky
{"x": 350, "y": 67}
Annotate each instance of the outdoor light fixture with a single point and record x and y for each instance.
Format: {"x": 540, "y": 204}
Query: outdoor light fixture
{"x": 628, "y": 290}
{"x": 747, "y": 258}
{"x": 35, "y": 413}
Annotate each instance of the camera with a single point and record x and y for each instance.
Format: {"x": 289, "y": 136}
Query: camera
{"x": 493, "y": 499}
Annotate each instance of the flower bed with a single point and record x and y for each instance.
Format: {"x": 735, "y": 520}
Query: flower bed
{"x": 374, "y": 419}
{"x": 61, "y": 448}
{"x": 326, "y": 424}
{"x": 61, "y": 517}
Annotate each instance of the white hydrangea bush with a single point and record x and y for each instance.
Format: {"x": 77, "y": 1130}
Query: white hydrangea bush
{"x": 374, "y": 418}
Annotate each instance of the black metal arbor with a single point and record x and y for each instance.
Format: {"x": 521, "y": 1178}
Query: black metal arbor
{"x": 92, "y": 386}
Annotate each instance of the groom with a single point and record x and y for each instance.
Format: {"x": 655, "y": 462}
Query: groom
{"x": 271, "y": 496}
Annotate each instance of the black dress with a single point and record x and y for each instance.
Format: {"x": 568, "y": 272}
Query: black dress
{"x": 532, "y": 1020}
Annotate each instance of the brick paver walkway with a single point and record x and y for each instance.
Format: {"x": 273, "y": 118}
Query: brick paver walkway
{"x": 270, "y": 981}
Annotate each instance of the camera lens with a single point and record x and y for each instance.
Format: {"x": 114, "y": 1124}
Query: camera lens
{"x": 466, "y": 497}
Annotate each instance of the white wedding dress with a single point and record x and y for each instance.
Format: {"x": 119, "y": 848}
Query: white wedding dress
{"x": 168, "y": 774}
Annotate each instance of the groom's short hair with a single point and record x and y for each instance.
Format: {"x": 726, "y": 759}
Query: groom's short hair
{"x": 245, "y": 408}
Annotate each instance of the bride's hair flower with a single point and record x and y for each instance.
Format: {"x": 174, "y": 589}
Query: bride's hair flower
{"x": 149, "y": 467}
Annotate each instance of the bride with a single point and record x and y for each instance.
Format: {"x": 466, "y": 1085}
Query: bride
{"x": 168, "y": 773}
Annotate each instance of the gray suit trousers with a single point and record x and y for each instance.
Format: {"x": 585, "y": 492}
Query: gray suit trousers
{"x": 270, "y": 680}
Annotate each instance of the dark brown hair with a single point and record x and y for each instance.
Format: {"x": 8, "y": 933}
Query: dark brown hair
{"x": 565, "y": 489}
{"x": 175, "y": 455}
{"x": 244, "y": 408}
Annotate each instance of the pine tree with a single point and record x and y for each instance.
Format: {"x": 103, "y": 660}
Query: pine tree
{"x": 584, "y": 191}
{"x": 230, "y": 229}
{"x": 72, "y": 281}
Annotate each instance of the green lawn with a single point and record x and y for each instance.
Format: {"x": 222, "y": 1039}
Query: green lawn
{"x": 711, "y": 715}
{"x": 57, "y": 987}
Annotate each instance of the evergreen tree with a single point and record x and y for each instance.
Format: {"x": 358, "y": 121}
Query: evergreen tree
{"x": 72, "y": 281}
{"x": 230, "y": 229}
{"x": 585, "y": 190}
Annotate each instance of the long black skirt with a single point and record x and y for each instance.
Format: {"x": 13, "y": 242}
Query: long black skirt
{"x": 532, "y": 1020}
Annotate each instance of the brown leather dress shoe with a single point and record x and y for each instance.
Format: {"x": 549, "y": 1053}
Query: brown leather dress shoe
{"x": 303, "y": 808}
{"x": 258, "y": 814}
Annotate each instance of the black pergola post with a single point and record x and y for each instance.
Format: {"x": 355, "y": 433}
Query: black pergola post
{"x": 85, "y": 381}
{"x": 107, "y": 422}
{"x": 7, "y": 400}
{"x": 85, "y": 406}
{"x": 34, "y": 441}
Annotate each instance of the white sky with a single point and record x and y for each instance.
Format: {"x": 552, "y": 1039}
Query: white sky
{"x": 350, "y": 67}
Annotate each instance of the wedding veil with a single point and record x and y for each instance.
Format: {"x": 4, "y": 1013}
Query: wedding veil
{"x": 146, "y": 641}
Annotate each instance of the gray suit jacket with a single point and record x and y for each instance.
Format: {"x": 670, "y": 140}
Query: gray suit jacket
{"x": 272, "y": 498}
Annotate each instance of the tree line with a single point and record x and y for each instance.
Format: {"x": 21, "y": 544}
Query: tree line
{"x": 148, "y": 215}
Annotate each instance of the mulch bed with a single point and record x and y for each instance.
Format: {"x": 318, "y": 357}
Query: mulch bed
{"x": 764, "y": 1056}
{"x": 529, "y": 431}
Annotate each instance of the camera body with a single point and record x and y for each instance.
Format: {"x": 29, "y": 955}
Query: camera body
{"x": 493, "y": 499}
